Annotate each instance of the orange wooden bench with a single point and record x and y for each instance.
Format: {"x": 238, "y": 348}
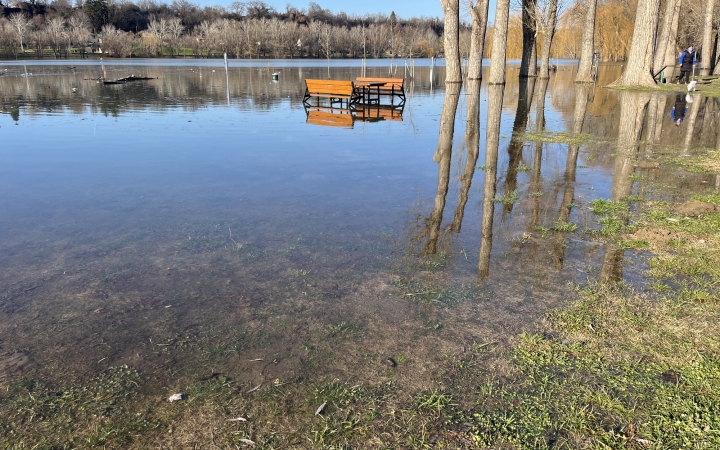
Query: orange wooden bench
{"x": 393, "y": 87}
{"x": 338, "y": 91}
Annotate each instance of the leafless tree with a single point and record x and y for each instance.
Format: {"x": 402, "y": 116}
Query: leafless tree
{"x": 640, "y": 58}
{"x": 667, "y": 37}
{"x": 500, "y": 31}
{"x": 528, "y": 64}
{"x": 546, "y": 19}
{"x": 79, "y": 31}
{"x": 7, "y": 38}
{"x": 479, "y": 14}
{"x": 159, "y": 29}
{"x": 175, "y": 29}
{"x": 21, "y": 26}
{"x": 39, "y": 40}
{"x": 56, "y": 32}
{"x": 451, "y": 39}
{"x": 587, "y": 53}
{"x": 203, "y": 38}
{"x": 707, "y": 47}
{"x": 327, "y": 39}
{"x": 115, "y": 42}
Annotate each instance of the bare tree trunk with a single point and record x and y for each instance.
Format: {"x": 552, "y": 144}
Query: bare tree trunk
{"x": 717, "y": 55}
{"x": 499, "y": 48}
{"x": 670, "y": 59}
{"x": 451, "y": 39}
{"x": 587, "y": 54}
{"x": 706, "y": 61}
{"x": 640, "y": 58}
{"x": 492, "y": 141}
{"x": 547, "y": 39}
{"x": 666, "y": 37}
{"x": 479, "y": 14}
{"x": 528, "y": 65}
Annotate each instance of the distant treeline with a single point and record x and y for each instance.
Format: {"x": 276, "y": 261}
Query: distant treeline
{"x": 251, "y": 29}
{"x": 254, "y": 29}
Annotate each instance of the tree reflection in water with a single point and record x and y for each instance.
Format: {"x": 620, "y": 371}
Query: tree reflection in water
{"x": 495, "y": 100}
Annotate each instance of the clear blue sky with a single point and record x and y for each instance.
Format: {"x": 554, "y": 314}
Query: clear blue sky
{"x": 404, "y": 9}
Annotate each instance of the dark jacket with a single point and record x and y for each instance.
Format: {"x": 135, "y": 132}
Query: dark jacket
{"x": 680, "y": 109}
{"x": 687, "y": 60}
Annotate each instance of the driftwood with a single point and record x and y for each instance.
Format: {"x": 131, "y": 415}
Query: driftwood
{"x": 130, "y": 78}
{"x": 121, "y": 80}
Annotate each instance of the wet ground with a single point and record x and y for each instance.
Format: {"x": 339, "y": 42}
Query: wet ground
{"x": 200, "y": 224}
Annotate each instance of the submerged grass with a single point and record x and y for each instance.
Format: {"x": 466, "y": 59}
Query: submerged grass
{"x": 554, "y": 137}
{"x": 616, "y": 368}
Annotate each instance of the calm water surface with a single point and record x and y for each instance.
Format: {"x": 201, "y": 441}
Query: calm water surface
{"x": 198, "y": 221}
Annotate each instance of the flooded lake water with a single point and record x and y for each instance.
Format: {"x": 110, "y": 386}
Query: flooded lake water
{"x": 202, "y": 225}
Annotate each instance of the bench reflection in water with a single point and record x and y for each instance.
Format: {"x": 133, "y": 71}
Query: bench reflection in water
{"x": 340, "y": 117}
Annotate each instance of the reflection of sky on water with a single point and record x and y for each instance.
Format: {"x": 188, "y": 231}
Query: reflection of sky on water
{"x": 188, "y": 155}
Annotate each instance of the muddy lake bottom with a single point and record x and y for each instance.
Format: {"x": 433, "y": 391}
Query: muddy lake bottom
{"x": 198, "y": 234}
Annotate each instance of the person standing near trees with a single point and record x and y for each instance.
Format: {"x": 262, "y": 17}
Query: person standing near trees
{"x": 687, "y": 62}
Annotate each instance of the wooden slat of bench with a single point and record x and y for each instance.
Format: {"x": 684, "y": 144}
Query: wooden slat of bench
{"x": 340, "y": 87}
{"x": 329, "y": 95}
{"x": 390, "y": 83}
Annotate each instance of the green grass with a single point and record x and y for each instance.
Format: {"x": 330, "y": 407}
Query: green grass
{"x": 564, "y": 227}
{"x": 508, "y": 198}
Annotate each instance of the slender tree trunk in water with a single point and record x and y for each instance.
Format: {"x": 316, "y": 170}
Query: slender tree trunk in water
{"x": 451, "y": 40}
{"x": 633, "y": 107}
{"x": 547, "y": 39}
{"x": 443, "y": 157}
{"x": 537, "y": 162}
{"x": 656, "y": 115}
{"x": 707, "y": 50}
{"x": 690, "y": 123}
{"x": 535, "y": 188}
{"x": 479, "y": 14}
{"x": 528, "y": 65}
{"x": 517, "y": 143}
{"x": 492, "y": 141}
{"x": 587, "y": 53}
{"x": 640, "y": 58}
{"x": 672, "y": 8}
{"x": 581, "y": 101}
{"x": 499, "y": 47}
{"x": 472, "y": 142}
